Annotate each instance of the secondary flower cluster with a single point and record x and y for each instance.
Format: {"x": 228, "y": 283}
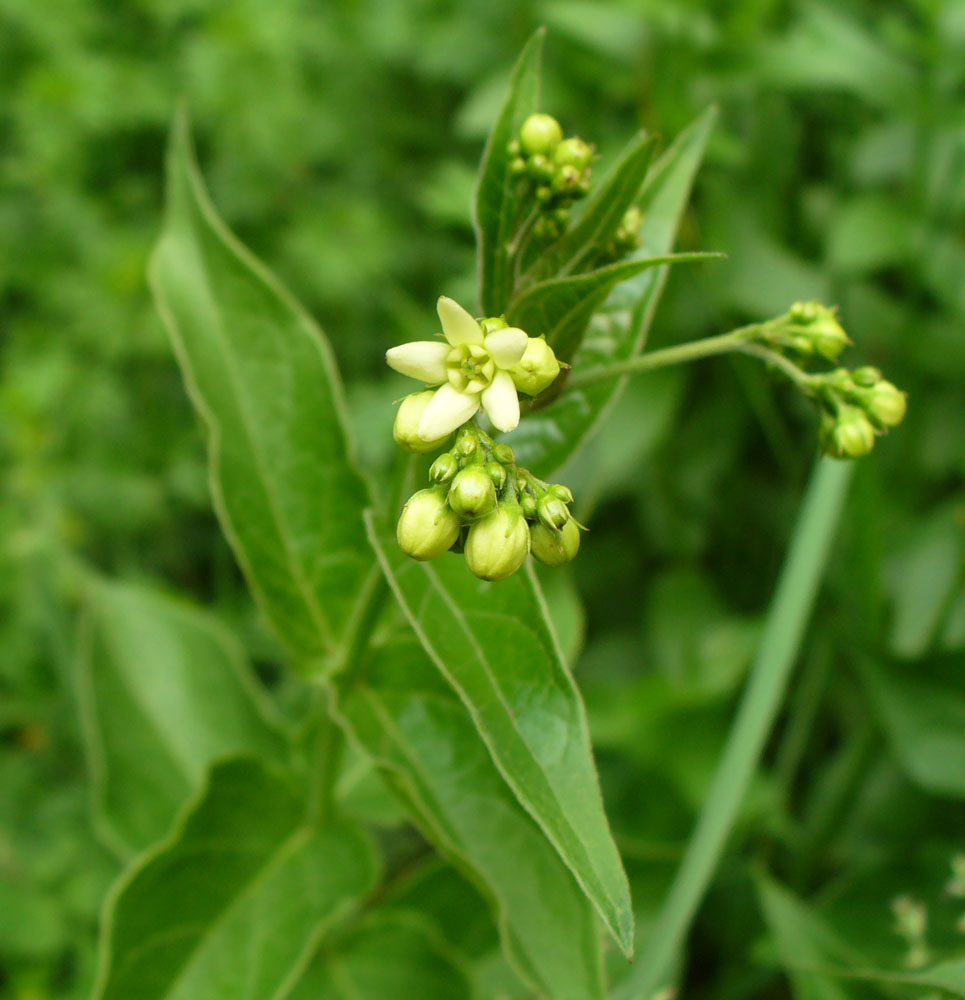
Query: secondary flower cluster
{"x": 496, "y": 512}
{"x": 855, "y": 405}
{"x": 480, "y": 364}
{"x": 556, "y": 169}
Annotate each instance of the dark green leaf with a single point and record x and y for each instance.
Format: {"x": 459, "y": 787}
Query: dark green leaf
{"x": 164, "y": 691}
{"x": 419, "y": 733}
{"x": 263, "y": 380}
{"x": 387, "y": 958}
{"x": 497, "y": 202}
{"x": 233, "y": 905}
{"x": 494, "y": 644}
{"x": 547, "y": 438}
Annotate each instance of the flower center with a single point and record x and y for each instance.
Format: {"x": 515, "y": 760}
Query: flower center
{"x": 470, "y": 368}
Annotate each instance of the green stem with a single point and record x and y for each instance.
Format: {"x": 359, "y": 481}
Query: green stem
{"x": 763, "y": 696}
{"x": 733, "y": 340}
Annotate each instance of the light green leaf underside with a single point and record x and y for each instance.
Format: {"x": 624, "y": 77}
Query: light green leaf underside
{"x": 493, "y": 643}
{"x": 262, "y": 377}
{"x": 546, "y": 439}
{"x": 164, "y": 692}
{"x": 388, "y": 958}
{"x": 418, "y": 732}
{"x": 496, "y": 205}
{"x": 233, "y": 905}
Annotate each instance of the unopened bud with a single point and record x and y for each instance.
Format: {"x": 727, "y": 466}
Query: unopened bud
{"x": 554, "y": 547}
{"x": 528, "y": 504}
{"x": 866, "y": 376}
{"x": 853, "y": 434}
{"x": 573, "y": 152}
{"x": 503, "y": 453}
{"x": 564, "y": 493}
{"x": 472, "y": 493}
{"x": 465, "y": 442}
{"x": 565, "y": 178}
{"x": 491, "y": 323}
{"x": 517, "y": 166}
{"x": 497, "y": 545}
{"x": 427, "y": 526}
{"x": 537, "y": 368}
{"x": 540, "y": 133}
{"x": 552, "y": 512}
{"x": 821, "y": 327}
{"x": 540, "y": 168}
{"x": 444, "y": 468}
{"x": 497, "y": 474}
{"x": 406, "y": 427}
{"x": 886, "y": 404}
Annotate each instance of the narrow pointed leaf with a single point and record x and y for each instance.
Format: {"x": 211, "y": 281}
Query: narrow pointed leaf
{"x": 235, "y": 903}
{"x": 562, "y": 307}
{"x": 388, "y": 958}
{"x": 496, "y": 205}
{"x": 578, "y": 248}
{"x": 494, "y": 644}
{"x": 548, "y": 437}
{"x": 422, "y": 739}
{"x": 264, "y": 382}
{"x": 164, "y": 691}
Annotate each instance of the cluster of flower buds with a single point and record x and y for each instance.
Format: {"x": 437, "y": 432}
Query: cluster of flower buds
{"x": 483, "y": 504}
{"x": 626, "y": 239}
{"x": 856, "y": 406}
{"x": 557, "y": 169}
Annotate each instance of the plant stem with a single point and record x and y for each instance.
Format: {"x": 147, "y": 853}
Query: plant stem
{"x": 762, "y": 699}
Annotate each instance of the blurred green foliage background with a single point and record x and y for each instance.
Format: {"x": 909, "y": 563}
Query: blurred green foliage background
{"x": 340, "y": 142}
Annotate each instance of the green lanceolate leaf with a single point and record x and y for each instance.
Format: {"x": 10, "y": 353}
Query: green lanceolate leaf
{"x": 578, "y": 248}
{"x": 496, "y": 206}
{"x": 164, "y": 691}
{"x": 263, "y": 380}
{"x": 548, "y": 437}
{"x": 562, "y": 308}
{"x": 234, "y": 904}
{"x": 390, "y": 957}
{"x": 493, "y": 643}
{"x": 420, "y": 736}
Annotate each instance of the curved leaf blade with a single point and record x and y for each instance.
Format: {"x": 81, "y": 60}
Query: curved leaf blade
{"x": 164, "y": 691}
{"x": 234, "y": 904}
{"x": 496, "y": 204}
{"x": 495, "y": 646}
{"x": 265, "y": 384}
{"x": 547, "y": 438}
{"x": 420, "y": 736}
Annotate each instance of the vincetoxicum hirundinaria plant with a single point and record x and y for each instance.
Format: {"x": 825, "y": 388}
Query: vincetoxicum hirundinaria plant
{"x": 254, "y": 872}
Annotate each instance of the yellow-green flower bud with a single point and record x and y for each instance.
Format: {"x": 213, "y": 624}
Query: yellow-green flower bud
{"x": 540, "y": 168}
{"x": 497, "y": 474}
{"x": 503, "y": 453}
{"x": 853, "y": 434}
{"x": 573, "y": 152}
{"x": 497, "y": 545}
{"x": 527, "y": 503}
{"x": 427, "y": 527}
{"x": 537, "y": 367}
{"x": 552, "y": 511}
{"x": 465, "y": 442}
{"x": 565, "y": 178}
{"x": 886, "y": 404}
{"x": 406, "y": 427}
{"x": 540, "y": 134}
{"x": 563, "y": 492}
{"x": 866, "y": 376}
{"x": 444, "y": 468}
{"x": 555, "y": 547}
{"x": 829, "y": 338}
{"x": 491, "y": 323}
{"x": 472, "y": 493}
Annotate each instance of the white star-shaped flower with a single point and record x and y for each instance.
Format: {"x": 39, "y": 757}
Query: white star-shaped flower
{"x": 471, "y": 370}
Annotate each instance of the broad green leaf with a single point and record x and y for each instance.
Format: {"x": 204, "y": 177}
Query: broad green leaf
{"x": 600, "y": 218}
{"x": 265, "y": 384}
{"x": 497, "y": 203}
{"x": 547, "y": 438}
{"x": 419, "y": 734}
{"x": 807, "y": 949}
{"x": 922, "y": 708}
{"x": 562, "y": 307}
{"x": 233, "y": 905}
{"x": 387, "y": 958}
{"x": 164, "y": 691}
{"x": 494, "y": 644}
{"x": 948, "y": 976}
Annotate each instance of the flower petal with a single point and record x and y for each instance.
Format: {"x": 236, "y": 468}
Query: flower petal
{"x": 422, "y": 359}
{"x": 457, "y": 325}
{"x": 446, "y": 411}
{"x": 500, "y": 403}
{"x": 506, "y": 346}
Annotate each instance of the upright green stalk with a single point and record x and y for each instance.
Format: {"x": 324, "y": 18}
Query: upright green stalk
{"x": 762, "y": 700}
